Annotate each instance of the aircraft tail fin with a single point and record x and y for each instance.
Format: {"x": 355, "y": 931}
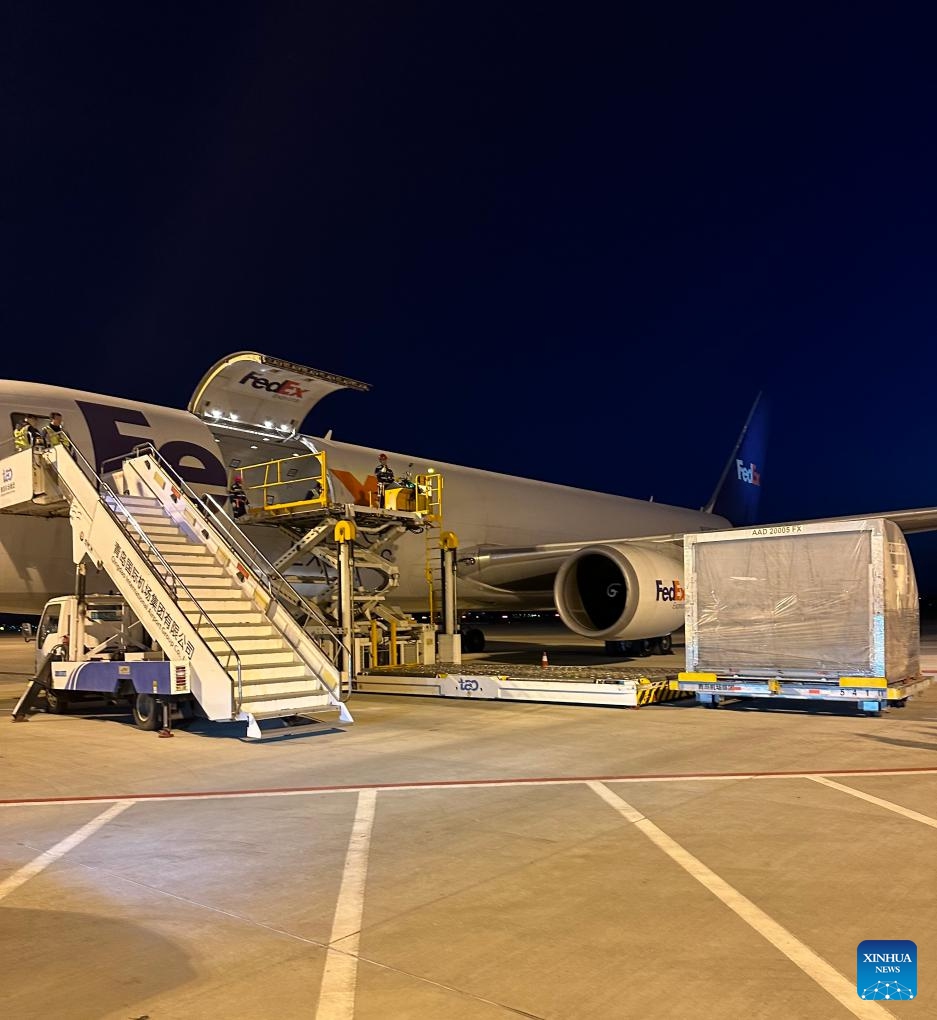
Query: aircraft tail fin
{"x": 737, "y": 495}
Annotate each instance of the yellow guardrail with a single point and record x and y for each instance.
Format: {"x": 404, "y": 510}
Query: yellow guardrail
{"x": 286, "y": 486}
{"x": 422, "y": 495}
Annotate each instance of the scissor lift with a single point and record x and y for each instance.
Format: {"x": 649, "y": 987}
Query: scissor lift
{"x": 292, "y": 495}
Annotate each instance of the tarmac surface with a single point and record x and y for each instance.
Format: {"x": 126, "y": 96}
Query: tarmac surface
{"x": 467, "y": 860}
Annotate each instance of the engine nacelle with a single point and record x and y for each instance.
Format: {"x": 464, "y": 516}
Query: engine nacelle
{"x": 624, "y": 592}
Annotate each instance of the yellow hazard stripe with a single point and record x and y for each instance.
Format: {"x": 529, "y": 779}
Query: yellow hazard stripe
{"x": 655, "y": 692}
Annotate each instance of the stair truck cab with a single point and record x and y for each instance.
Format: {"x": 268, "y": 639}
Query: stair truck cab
{"x": 95, "y": 647}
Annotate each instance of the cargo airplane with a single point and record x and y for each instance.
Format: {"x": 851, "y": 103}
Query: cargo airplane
{"x": 611, "y": 566}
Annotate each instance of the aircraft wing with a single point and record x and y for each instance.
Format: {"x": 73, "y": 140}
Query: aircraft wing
{"x": 533, "y": 568}
{"x": 911, "y": 522}
{"x": 509, "y": 565}
{"x": 615, "y": 589}
{"x": 558, "y": 551}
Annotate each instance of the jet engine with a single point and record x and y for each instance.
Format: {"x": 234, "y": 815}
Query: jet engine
{"x": 621, "y": 592}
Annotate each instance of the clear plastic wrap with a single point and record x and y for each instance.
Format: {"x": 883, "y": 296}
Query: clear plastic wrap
{"x": 815, "y": 601}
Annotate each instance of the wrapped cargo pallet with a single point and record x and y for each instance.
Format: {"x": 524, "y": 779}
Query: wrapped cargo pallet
{"x": 803, "y": 602}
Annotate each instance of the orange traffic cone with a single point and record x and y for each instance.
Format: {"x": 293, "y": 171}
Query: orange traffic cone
{"x": 544, "y": 661}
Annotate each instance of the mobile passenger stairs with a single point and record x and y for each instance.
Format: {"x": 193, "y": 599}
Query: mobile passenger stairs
{"x": 292, "y": 496}
{"x": 235, "y": 635}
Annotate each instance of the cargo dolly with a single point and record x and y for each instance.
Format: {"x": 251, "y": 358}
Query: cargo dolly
{"x": 824, "y": 611}
{"x": 872, "y": 695}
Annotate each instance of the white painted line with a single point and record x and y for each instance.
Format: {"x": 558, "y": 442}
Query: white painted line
{"x": 337, "y": 991}
{"x": 61, "y": 848}
{"x": 456, "y": 784}
{"x": 814, "y": 966}
{"x": 897, "y": 808}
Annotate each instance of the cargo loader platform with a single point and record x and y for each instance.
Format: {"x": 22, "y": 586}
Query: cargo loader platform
{"x": 501, "y": 681}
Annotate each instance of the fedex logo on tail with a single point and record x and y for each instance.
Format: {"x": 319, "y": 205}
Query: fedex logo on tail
{"x": 670, "y": 592}
{"x": 747, "y": 474}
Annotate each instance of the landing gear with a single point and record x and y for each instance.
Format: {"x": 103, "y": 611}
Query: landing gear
{"x": 473, "y": 640}
{"x": 630, "y": 648}
{"x": 645, "y": 646}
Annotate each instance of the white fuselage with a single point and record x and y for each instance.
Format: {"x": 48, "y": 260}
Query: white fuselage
{"x": 484, "y": 509}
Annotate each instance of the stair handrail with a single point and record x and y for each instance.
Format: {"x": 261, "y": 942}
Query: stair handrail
{"x": 263, "y": 569}
{"x": 104, "y": 489}
{"x": 266, "y": 573}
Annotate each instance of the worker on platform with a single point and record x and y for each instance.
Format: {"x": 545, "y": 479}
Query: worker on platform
{"x": 239, "y": 501}
{"x": 54, "y": 433}
{"x": 26, "y": 435}
{"x": 385, "y": 478}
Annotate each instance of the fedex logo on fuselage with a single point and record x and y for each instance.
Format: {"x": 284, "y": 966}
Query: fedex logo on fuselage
{"x": 748, "y": 474}
{"x": 283, "y": 388}
{"x": 670, "y": 592}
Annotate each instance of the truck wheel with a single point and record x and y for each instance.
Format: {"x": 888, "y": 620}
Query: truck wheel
{"x": 146, "y": 712}
{"x": 56, "y": 701}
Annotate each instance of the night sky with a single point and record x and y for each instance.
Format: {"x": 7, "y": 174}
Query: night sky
{"x": 570, "y": 242}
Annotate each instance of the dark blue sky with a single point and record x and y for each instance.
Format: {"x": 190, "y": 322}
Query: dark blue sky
{"x": 568, "y": 243}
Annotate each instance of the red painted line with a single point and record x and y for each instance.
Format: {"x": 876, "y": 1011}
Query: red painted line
{"x": 458, "y": 783}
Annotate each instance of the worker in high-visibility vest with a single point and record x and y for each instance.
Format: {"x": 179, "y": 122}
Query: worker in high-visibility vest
{"x": 384, "y": 474}
{"x": 54, "y": 434}
{"x": 26, "y": 435}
